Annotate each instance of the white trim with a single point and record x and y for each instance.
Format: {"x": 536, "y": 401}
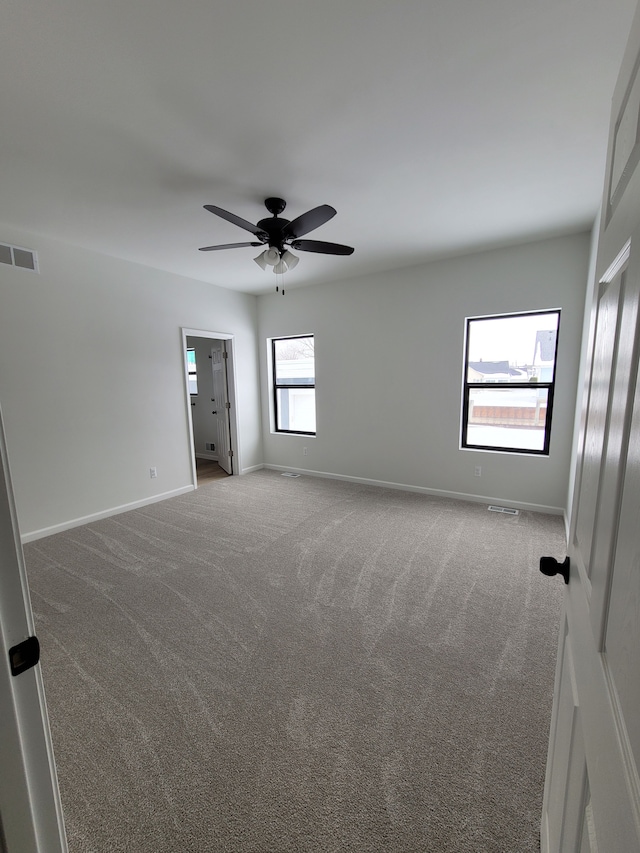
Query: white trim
{"x": 252, "y": 468}
{"x": 619, "y": 262}
{"x": 211, "y": 457}
{"x": 30, "y": 807}
{"x": 544, "y": 835}
{"x": 441, "y": 493}
{"x": 107, "y": 513}
{"x": 202, "y": 333}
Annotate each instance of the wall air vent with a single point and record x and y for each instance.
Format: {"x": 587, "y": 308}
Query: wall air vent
{"x": 507, "y": 510}
{"x": 14, "y": 256}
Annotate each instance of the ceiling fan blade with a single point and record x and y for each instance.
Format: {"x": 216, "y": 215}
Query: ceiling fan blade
{"x": 321, "y": 247}
{"x": 308, "y": 221}
{"x": 237, "y": 220}
{"x": 227, "y": 246}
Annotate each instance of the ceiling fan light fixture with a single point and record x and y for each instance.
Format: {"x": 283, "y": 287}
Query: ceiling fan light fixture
{"x": 272, "y": 256}
{"x": 261, "y": 261}
{"x": 290, "y": 259}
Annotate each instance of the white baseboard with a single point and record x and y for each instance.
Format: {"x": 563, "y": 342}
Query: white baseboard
{"x": 441, "y": 493}
{"x": 253, "y": 468}
{"x": 97, "y": 516}
{"x": 207, "y": 455}
{"x": 544, "y": 835}
{"x": 31, "y": 536}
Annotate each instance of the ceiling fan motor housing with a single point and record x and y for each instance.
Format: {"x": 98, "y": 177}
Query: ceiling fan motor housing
{"x": 273, "y": 227}
{"x": 275, "y": 205}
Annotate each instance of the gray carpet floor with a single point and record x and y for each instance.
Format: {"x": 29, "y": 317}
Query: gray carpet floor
{"x": 297, "y": 664}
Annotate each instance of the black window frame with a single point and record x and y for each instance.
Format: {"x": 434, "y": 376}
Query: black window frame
{"x": 277, "y": 386}
{"x": 468, "y": 386}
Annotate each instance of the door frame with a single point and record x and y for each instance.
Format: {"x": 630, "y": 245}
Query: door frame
{"x": 229, "y": 340}
{"x": 30, "y": 806}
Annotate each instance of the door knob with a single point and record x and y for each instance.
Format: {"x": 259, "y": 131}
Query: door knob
{"x": 214, "y": 412}
{"x": 550, "y": 566}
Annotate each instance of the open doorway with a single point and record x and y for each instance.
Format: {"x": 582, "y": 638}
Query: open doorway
{"x": 211, "y": 404}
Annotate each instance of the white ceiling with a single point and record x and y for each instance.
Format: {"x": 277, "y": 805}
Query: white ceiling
{"x": 434, "y": 127}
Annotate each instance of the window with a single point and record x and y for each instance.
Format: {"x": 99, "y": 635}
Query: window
{"x": 509, "y": 377}
{"x": 294, "y": 384}
{"x": 193, "y": 375}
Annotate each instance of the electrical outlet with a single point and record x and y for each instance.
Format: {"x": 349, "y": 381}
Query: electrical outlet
{"x": 305, "y": 450}
{"x": 478, "y": 471}
{"x": 153, "y": 473}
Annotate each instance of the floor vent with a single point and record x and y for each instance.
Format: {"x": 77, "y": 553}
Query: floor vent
{"x": 289, "y": 474}
{"x": 507, "y": 510}
{"x": 14, "y": 256}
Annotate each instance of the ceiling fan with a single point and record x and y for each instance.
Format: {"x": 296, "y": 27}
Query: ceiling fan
{"x": 279, "y": 234}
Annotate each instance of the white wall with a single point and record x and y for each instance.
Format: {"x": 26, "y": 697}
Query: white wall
{"x": 92, "y": 383}
{"x": 92, "y": 375}
{"x": 389, "y": 351}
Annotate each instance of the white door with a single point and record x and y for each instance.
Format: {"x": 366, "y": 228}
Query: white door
{"x": 221, "y": 405}
{"x": 592, "y": 790}
{"x": 30, "y": 811}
